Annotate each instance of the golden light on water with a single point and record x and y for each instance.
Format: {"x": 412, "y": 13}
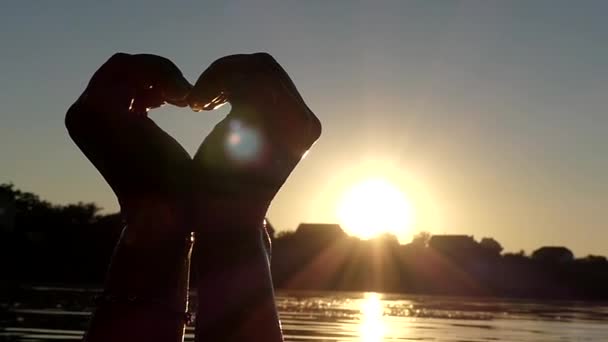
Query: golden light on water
{"x": 373, "y": 207}
{"x": 372, "y": 327}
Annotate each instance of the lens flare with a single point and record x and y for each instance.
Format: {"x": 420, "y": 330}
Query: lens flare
{"x": 243, "y": 143}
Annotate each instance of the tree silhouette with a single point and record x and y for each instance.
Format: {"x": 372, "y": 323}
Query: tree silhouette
{"x": 491, "y": 245}
{"x": 422, "y": 239}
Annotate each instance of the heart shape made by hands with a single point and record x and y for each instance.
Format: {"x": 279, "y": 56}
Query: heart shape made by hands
{"x": 256, "y": 146}
{"x": 267, "y": 112}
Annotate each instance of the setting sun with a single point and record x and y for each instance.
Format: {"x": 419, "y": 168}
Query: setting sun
{"x": 373, "y": 207}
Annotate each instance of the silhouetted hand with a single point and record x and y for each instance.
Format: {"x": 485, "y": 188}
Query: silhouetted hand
{"x": 237, "y": 171}
{"x": 247, "y": 157}
{"x": 147, "y": 169}
{"x": 147, "y": 283}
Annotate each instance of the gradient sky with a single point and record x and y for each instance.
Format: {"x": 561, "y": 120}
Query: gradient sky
{"x": 490, "y": 116}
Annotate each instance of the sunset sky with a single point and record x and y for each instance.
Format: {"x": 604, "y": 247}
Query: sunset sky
{"x": 490, "y": 117}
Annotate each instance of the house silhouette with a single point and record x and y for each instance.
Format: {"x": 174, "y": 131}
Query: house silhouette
{"x": 321, "y": 232}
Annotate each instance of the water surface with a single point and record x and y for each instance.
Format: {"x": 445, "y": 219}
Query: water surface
{"x": 50, "y": 314}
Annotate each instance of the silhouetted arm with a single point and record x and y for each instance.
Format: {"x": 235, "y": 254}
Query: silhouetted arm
{"x": 234, "y": 286}
{"x": 237, "y": 172}
{"x": 145, "y": 294}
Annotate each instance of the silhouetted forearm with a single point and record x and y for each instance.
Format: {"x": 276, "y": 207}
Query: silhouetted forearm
{"x": 235, "y": 293}
{"x": 146, "y": 292}
{"x": 147, "y": 283}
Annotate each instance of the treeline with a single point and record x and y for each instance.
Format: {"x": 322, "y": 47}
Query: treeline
{"x": 72, "y": 244}
{"x": 44, "y": 242}
{"x": 443, "y": 264}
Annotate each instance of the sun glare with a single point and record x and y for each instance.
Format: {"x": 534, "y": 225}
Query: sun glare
{"x": 373, "y": 207}
{"x": 372, "y": 327}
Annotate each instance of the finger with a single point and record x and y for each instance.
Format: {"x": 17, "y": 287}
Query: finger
{"x": 178, "y": 102}
{"x": 208, "y": 88}
{"x": 139, "y": 82}
{"x": 226, "y": 80}
{"x": 158, "y": 79}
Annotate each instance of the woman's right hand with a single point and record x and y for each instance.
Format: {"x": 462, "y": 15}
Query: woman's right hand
{"x": 146, "y": 168}
{"x": 147, "y": 282}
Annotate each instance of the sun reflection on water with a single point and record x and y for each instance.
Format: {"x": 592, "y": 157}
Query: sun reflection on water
{"x": 372, "y": 327}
